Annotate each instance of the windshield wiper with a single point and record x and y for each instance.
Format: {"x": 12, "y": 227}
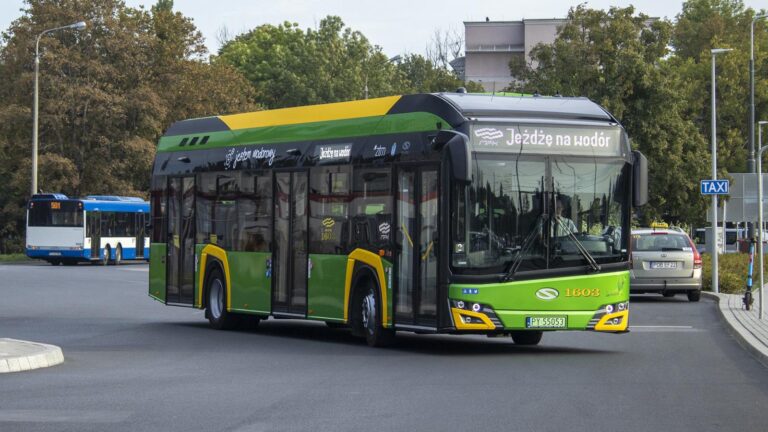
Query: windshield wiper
{"x": 520, "y": 252}
{"x": 580, "y": 246}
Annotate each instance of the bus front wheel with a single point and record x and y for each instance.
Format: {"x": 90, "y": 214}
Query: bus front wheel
{"x": 105, "y": 255}
{"x": 368, "y": 312}
{"x": 216, "y": 310}
{"x": 529, "y": 337}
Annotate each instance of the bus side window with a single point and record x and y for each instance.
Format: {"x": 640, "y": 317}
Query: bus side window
{"x": 204, "y": 198}
{"x": 254, "y": 206}
{"x": 372, "y": 208}
{"x": 329, "y": 197}
{"x": 158, "y": 209}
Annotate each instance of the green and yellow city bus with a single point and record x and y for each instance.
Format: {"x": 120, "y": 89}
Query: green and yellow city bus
{"x": 432, "y": 213}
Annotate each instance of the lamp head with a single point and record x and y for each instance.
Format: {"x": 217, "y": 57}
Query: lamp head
{"x": 720, "y": 50}
{"x": 762, "y": 122}
{"x": 80, "y": 25}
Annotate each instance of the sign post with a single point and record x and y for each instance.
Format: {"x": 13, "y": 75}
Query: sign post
{"x": 715, "y": 188}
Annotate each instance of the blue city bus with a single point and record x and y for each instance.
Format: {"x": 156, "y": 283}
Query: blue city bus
{"x": 101, "y": 229}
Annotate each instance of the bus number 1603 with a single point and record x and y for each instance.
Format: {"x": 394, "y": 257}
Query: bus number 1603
{"x": 582, "y": 292}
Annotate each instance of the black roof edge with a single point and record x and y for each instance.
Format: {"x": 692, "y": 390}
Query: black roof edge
{"x": 197, "y": 126}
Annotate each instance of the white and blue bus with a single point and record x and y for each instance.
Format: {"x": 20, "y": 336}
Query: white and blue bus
{"x": 98, "y": 228}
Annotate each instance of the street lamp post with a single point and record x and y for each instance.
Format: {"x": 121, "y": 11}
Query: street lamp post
{"x": 751, "y": 161}
{"x": 715, "y": 249}
{"x": 751, "y": 122}
{"x": 76, "y": 26}
{"x": 394, "y": 59}
{"x": 760, "y": 209}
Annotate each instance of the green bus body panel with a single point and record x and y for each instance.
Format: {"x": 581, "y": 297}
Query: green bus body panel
{"x": 157, "y": 270}
{"x": 514, "y": 301}
{"x": 325, "y": 289}
{"x": 251, "y": 288}
{"x": 379, "y": 125}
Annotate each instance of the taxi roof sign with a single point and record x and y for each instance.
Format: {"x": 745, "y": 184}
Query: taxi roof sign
{"x": 659, "y": 225}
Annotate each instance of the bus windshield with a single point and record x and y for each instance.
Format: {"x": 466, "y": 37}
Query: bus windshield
{"x": 540, "y": 210}
{"x": 55, "y": 214}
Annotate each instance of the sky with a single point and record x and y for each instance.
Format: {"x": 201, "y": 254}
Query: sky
{"x": 397, "y": 26}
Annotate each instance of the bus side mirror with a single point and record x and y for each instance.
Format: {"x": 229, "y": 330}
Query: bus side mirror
{"x": 639, "y": 179}
{"x": 457, "y": 145}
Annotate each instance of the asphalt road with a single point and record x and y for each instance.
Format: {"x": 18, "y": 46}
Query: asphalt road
{"x": 133, "y": 364}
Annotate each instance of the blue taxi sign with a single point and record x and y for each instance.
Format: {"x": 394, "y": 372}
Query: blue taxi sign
{"x": 714, "y": 187}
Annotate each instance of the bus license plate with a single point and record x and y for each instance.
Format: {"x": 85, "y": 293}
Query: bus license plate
{"x": 54, "y": 253}
{"x": 663, "y": 264}
{"x": 548, "y": 322}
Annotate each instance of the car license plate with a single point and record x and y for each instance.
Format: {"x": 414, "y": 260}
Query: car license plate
{"x": 54, "y": 253}
{"x": 663, "y": 264}
{"x": 546, "y": 322}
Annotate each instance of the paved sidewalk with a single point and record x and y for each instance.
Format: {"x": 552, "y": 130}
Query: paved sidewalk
{"x": 745, "y": 325}
{"x": 18, "y": 355}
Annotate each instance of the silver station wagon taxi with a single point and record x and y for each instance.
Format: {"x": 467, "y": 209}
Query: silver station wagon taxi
{"x": 664, "y": 261}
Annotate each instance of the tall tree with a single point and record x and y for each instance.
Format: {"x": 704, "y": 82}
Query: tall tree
{"x": 290, "y": 67}
{"x": 617, "y": 58}
{"x": 106, "y": 94}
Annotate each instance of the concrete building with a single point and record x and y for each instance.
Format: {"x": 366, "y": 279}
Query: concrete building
{"x": 490, "y": 45}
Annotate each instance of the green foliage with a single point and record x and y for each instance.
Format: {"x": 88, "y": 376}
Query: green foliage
{"x": 106, "y": 94}
{"x": 622, "y": 61}
{"x": 732, "y": 272}
{"x": 290, "y": 67}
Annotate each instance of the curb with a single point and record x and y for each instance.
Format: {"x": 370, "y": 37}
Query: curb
{"x": 735, "y": 329}
{"x": 18, "y": 355}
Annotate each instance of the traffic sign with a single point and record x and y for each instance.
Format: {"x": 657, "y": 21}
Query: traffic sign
{"x": 714, "y": 187}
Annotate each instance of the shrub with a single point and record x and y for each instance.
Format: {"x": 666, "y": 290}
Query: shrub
{"x": 732, "y": 274}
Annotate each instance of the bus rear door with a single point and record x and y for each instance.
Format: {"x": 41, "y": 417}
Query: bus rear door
{"x": 181, "y": 241}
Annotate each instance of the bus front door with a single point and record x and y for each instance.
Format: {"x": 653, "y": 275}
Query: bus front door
{"x": 416, "y": 244}
{"x": 140, "y": 229}
{"x": 181, "y": 241}
{"x": 94, "y": 232}
{"x": 289, "y": 267}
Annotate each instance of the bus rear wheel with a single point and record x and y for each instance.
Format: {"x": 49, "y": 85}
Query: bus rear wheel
{"x": 368, "y": 312}
{"x": 529, "y": 337}
{"x": 118, "y": 255}
{"x": 216, "y": 310}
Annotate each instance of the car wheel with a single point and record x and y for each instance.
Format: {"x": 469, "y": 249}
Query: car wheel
{"x": 216, "y": 311}
{"x": 527, "y": 337}
{"x": 694, "y": 295}
{"x": 369, "y": 309}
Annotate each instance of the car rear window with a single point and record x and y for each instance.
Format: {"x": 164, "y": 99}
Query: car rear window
{"x": 659, "y": 242}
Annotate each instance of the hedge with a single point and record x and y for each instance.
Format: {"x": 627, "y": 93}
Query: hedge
{"x": 732, "y": 274}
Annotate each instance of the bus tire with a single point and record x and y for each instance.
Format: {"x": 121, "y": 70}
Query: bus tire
{"x": 368, "y": 311}
{"x": 528, "y": 337}
{"x": 105, "y": 255}
{"x": 216, "y": 305}
{"x": 54, "y": 262}
{"x": 118, "y": 255}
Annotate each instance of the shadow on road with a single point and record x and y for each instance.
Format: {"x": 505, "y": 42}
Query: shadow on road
{"x": 406, "y": 342}
{"x": 657, "y": 298}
